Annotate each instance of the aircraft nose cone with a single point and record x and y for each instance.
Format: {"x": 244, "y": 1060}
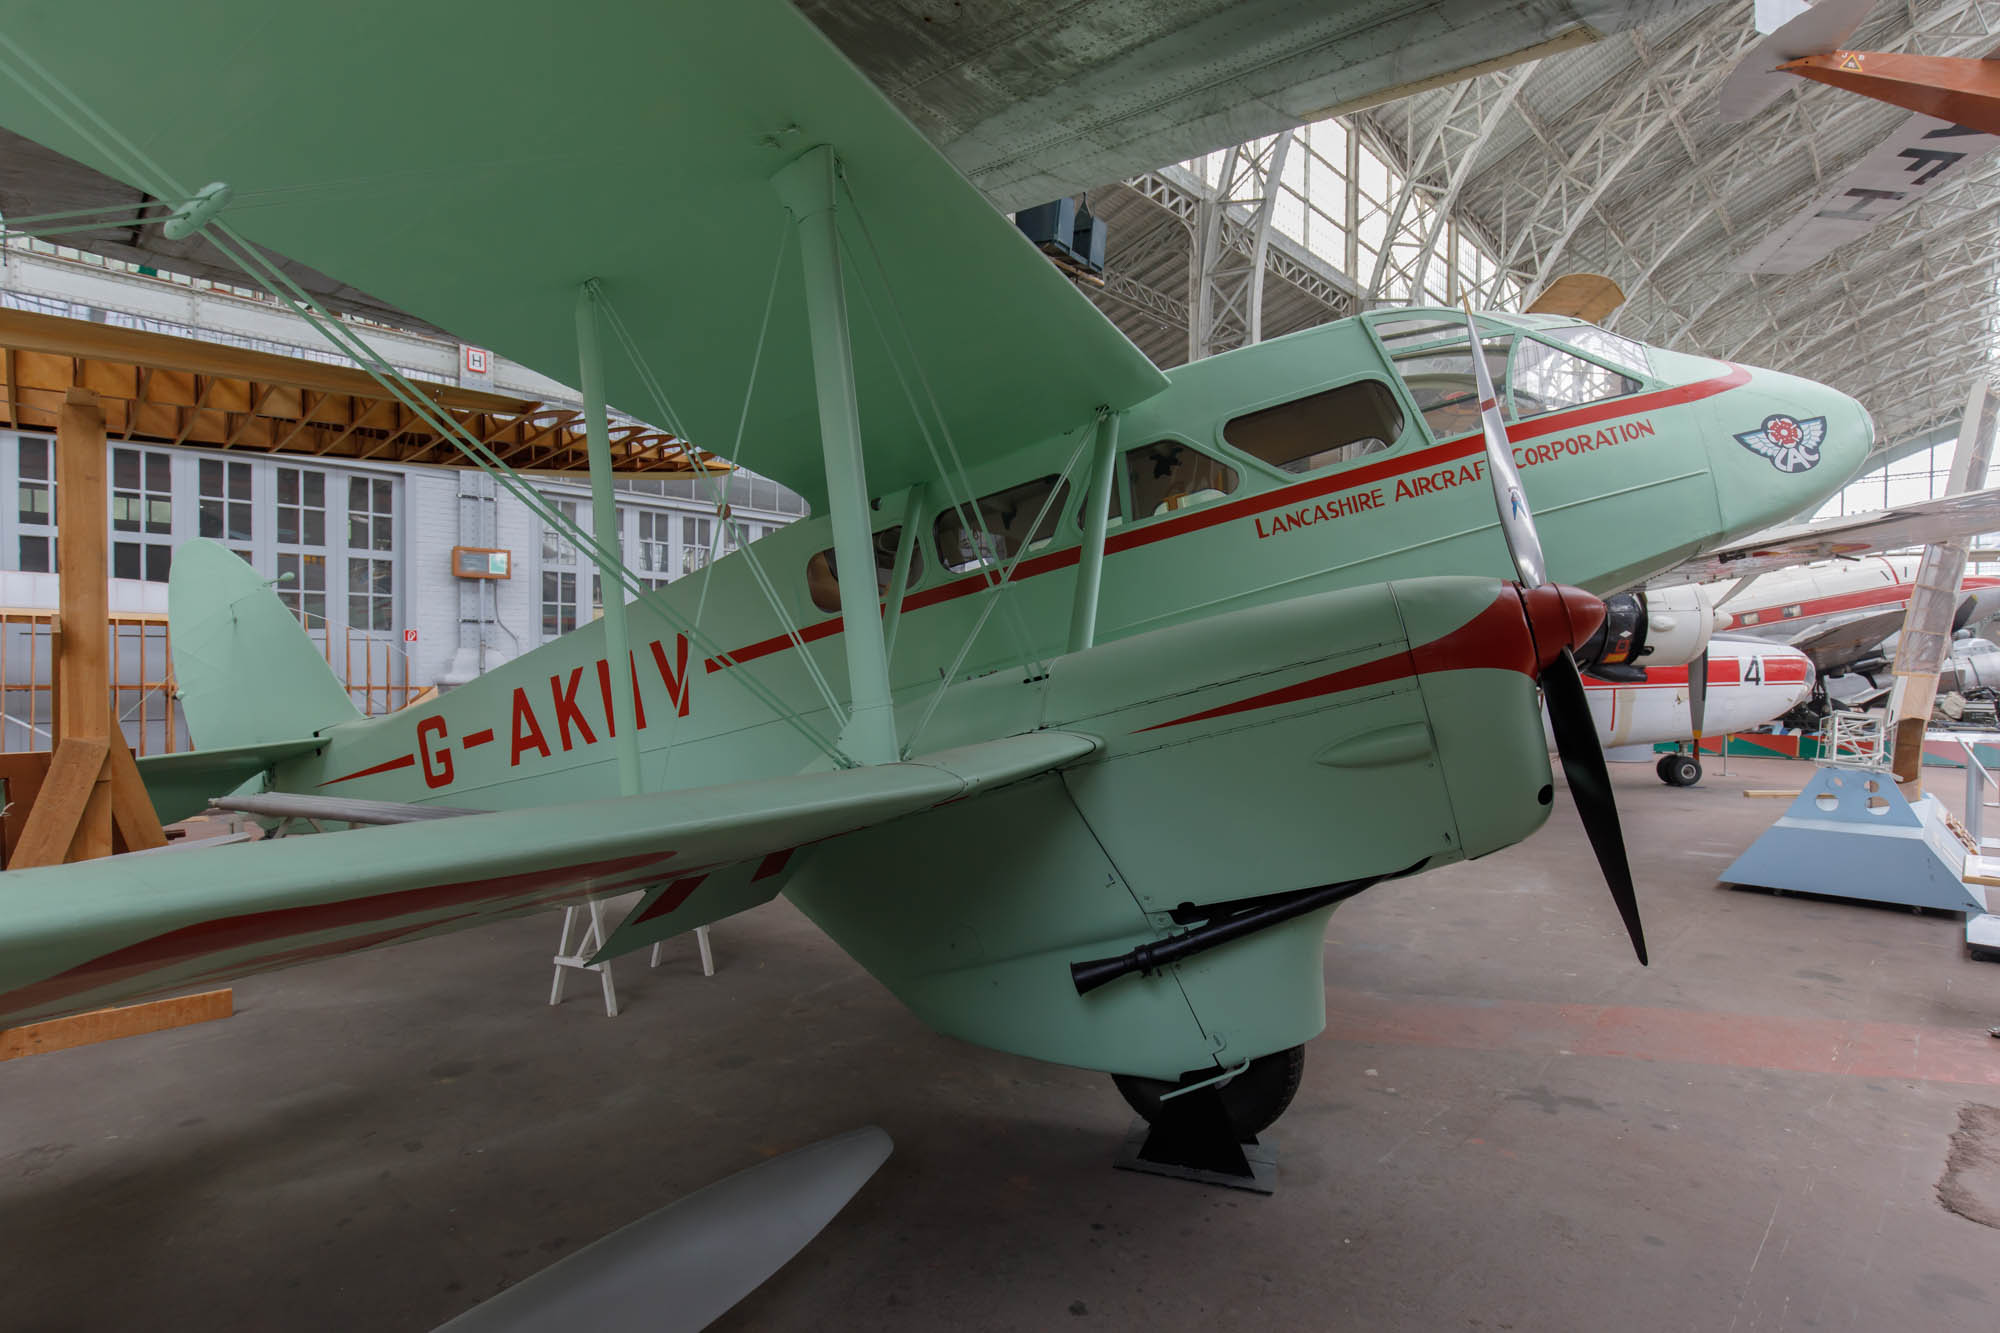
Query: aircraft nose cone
{"x": 1850, "y": 435}
{"x": 1560, "y": 617}
{"x": 1783, "y": 446}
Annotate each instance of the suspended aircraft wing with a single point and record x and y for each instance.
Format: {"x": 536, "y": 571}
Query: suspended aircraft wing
{"x": 87, "y": 935}
{"x": 1833, "y": 647}
{"x": 1946, "y": 518}
{"x": 634, "y": 144}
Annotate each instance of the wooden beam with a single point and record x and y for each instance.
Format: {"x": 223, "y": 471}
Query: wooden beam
{"x": 133, "y": 817}
{"x": 190, "y": 415}
{"x": 162, "y": 390}
{"x": 59, "y": 808}
{"x": 81, "y": 338}
{"x": 82, "y": 578}
{"x": 22, "y": 775}
{"x": 104, "y": 1024}
{"x": 83, "y": 594}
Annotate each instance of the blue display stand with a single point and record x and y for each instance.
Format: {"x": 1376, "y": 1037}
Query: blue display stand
{"x": 1852, "y": 834}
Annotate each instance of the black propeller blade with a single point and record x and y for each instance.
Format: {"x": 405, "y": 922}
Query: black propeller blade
{"x": 1562, "y": 683}
{"x": 1590, "y": 785}
{"x": 1698, "y": 697}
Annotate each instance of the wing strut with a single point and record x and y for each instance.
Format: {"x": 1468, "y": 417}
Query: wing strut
{"x": 604, "y": 517}
{"x": 1097, "y": 517}
{"x": 810, "y": 187}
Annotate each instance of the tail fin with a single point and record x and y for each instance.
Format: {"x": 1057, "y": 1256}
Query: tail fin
{"x": 247, "y": 672}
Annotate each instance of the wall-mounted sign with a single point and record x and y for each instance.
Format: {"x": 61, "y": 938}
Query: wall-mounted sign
{"x": 409, "y": 636}
{"x": 481, "y": 562}
{"x": 478, "y": 361}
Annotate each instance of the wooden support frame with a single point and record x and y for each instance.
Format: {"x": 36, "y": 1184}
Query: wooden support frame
{"x": 182, "y": 391}
{"x": 59, "y": 1034}
{"x": 89, "y": 799}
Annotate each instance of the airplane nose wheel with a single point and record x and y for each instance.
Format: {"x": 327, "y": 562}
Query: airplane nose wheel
{"x": 1254, "y": 1099}
{"x": 1679, "y": 770}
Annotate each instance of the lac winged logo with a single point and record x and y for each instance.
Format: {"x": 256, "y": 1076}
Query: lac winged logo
{"x": 1789, "y": 444}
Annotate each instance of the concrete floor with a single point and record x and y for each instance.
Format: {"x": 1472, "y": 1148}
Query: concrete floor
{"x": 1508, "y": 1125}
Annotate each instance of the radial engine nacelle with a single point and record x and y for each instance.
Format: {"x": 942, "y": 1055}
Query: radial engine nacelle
{"x": 1652, "y": 627}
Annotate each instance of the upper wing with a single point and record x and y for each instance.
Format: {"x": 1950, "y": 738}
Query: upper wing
{"x": 496, "y": 157}
{"x": 1947, "y": 518}
{"x": 82, "y": 936}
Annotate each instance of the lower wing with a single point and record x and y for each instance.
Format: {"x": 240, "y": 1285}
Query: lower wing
{"x": 96, "y": 933}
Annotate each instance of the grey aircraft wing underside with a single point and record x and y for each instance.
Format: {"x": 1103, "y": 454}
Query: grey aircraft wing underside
{"x": 1835, "y": 646}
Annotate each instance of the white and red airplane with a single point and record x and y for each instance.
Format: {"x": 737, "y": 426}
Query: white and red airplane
{"x": 1751, "y": 682}
{"x": 1840, "y": 613}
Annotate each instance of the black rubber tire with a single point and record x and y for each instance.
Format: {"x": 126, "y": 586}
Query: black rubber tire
{"x": 1679, "y": 770}
{"x": 1254, "y": 1099}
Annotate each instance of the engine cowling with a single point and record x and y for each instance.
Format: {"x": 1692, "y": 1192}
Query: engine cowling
{"x": 1652, "y": 627}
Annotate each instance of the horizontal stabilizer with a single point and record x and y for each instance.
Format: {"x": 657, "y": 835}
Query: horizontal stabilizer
{"x": 183, "y": 784}
{"x": 96, "y": 933}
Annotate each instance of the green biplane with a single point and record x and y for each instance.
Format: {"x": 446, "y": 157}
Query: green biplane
{"x": 1154, "y": 669}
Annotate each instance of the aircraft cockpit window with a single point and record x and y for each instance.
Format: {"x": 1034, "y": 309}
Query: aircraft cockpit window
{"x": 1547, "y": 379}
{"x": 1333, "y": 426}
{"x": 1440, "y": 380}
{"x": 823, "y": 573}
{"x": 1605, "y": 346}
{"x": 1169, "y": 476}
{"x": 1006, "y": 517}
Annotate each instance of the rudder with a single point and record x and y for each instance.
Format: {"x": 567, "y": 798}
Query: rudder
{"x": 247, "y": 672}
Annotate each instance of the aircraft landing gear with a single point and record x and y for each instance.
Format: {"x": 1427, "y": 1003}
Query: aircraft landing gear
{"x": 1679, "y": 770}
{"x": 1254, "y": 1099}
{"x": 1209, "y": 1134}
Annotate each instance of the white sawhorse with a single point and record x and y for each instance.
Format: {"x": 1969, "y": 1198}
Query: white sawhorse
{"x": 578, "y": 959}
{"x": 701, "y": 939}
{"x": 568, "y": 959}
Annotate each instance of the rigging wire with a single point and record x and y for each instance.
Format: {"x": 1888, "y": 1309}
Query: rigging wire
{"x": 720, "y": 484}
{"x": 132, "y": 163}
{"x": 993, "y": 598}
{"x": 1024, "y": 638}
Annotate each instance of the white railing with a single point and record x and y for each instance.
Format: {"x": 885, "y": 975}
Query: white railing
{"x": 1978, "y": 781}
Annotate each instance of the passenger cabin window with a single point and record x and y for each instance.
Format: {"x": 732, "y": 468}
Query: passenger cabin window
{"x": 1170, "y": 476}
{"x": 823, "y": 572}
{"x": 1002, "y": 525}
{"x": 1440, "y": 380}
{"x": 1548, "y": 379}
{"x": 1322, "y": 429}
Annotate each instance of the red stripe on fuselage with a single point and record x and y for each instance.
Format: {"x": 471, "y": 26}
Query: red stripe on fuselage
{"x": 403, "y": 761}
{"x": 1888, "y": 594}
{"x": 1449, "y": 451}
{"x": 1497, "y": 638}
{"x": 1778, "y": 669}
